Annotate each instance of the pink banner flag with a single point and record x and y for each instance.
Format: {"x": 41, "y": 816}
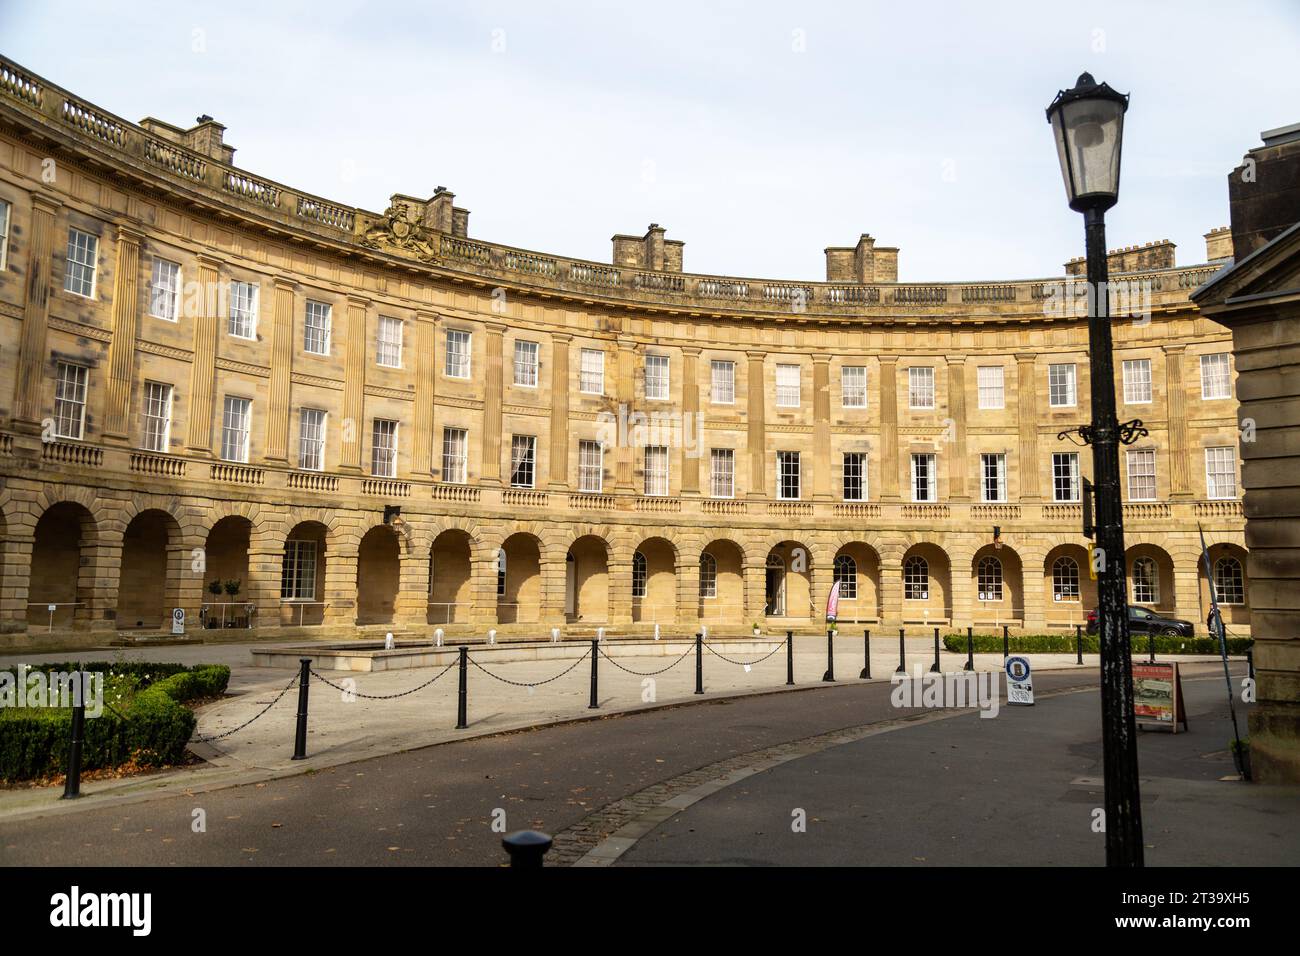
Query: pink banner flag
{"x": 833, "y": 602}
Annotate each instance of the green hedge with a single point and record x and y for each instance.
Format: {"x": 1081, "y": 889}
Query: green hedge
{"x": 1064, "y": 644}
{"x": 150, "y": 724}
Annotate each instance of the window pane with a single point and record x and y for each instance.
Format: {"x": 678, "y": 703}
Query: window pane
{"x": 157, "y": 416}
{"x": 787, "y": 386}
{"x": 390, "y": 342}
{"x": 1065, "y": 476}
{"x": 243, "y": 310}
{"x": 656, "y": 376}
{"x": 1142, "y": 474}
{"x": 1137, "y": 381}
{"x": 454, "y": 456}
{"x": 722, "y": 472}
{"x": 316, "y": 338}
{"x": 235, "y": 422}
{"x": 787, "y": 474}
{"x": 991, "y": 386}
{"x": 656, "y": 470}
{"x": 592, "y": 375}
{"x": 79, "y": 276}
{"x": 383, "y": 449}
{"x": 311, "y": 439}
{"x": 724, "y": 382}
{"x": 1220, "y": 472}
{"x": 70, "y": 400}
{"x": 853, "y": 386}
{"x": 458, "y": 354}
{"x": 165, "y": 289}
{"x": 1061, "y": 385}
{"x": 1216, "y": 376}
{"x": 920, "y": 387}
{"x": 855, "y": 476}
{"x": 526, "y": 364}
{"x": 523, "y": 461}
{"x": 591, "y": 466}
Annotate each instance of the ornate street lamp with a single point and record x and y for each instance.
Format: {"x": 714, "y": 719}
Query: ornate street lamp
{"x": 1088, "y": 123}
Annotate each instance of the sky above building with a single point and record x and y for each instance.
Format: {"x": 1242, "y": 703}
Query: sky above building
{"x": 758, "y": 133}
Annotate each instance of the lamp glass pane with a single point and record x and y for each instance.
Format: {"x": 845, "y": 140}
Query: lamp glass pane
{"x": 1092, "y": 129}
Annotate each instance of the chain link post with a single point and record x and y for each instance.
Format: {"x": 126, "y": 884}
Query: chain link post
{"x": 699, "y": 663}
{"x": 462, "y": 692}
{"x": 866, "y": 655}
{"x": 72, "y": 785}
{"x": 934, "y": 668}
{"x": 595, "y": 653}
{"x": 1078, "y": 643}
{"x": 300, "y": 733}
{"x": 1151, "y": 646}
{"x": 829, "y": 676}
{"x": 1006, "y": 642}
{"x": 902, "y": 654}
{"x": 526, "y": 848}
{"x": 970, "y": 649}
{"x": 789, "y": 658}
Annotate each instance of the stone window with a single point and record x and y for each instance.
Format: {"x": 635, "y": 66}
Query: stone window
{"x": 591, "y": 375}
{"x": 1220, "y": 472}
{"x": 1137, "y": 381}
{"x": 989, "y": 579}
{"x": 991, "y": 386}
{"x": 79, "y": 274}
{"x": 455, "y": 457}
{"x": 855, "y": 476}
{"x": 1061, "y": 390}
{"x": 390, "y": 342}
{"x": 722, "y": 472}
{"x": 157, "y": 416}
{"x": 1146, "y": 581}
{"x": 787, "y": 475}
{"x": 526, "y": 363}
{"x": 916, "y": 579}
{"x": 458, "y": 354}
{"x": 243, "y": 310}
{"x": 1065, "y": 579}
{"x": 853, "y": 386}
{"x": 708, "y": 576}
{"x": 724, "y": 382}
{"x": 591, "y": 466}
{"x": 993, "y": 477}
{"x": 383, "y": 449}
{"x": 236, "y": 418}
{"x": 316, "y": 331}
{"x": 845, "y": 573}
{"x": 638, "y": 574}
{"x": 165, "y": 289}
{"x": 1065, "y": 476}
{"x": 1216, "y": 376}
{"x": 70, "y": 400}
{"x": 523, "y": 461}
{"x": 298, "y": 574}
{"x": 787, "y": 386}
{"x": 1142, "y": 474}
{"x": 501, "y": 572}
{"x": 656, "y": 377}
{"x": 311, "y": 439}
{"x": 920, "y": 387}
{"x": 923, "y": 478}
{"x": 1229, "y": 581}
{"x": 656, "y": 470}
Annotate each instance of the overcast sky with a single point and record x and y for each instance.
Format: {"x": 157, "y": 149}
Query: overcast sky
{"x": 758, "y": 133}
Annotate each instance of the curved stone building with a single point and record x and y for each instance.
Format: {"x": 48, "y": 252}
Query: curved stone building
{"x": 220, "y": 394}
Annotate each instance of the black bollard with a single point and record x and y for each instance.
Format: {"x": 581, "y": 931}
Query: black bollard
{"x": 970, "y": 649}
{"x": 789, "y": 658}
{"x": 72, "y": 786}
{"x": 699, "y": 663}
{"x": 462, "y": 692}
{"x": 902, "y": 654}
{"x": 300, "y": 734}
{"x": 1151, "y": 647}
{"x": 830, "y": 656}
{"x": 595, "y": 653}
{"x": 934, "y": 668}
{"x": 1078, "y": 643}
{"x": 866, "y": 655}
{"x": 1006, "y": 642}
{"x": 1250, "y": 663}
{"x": 526, "y": 848}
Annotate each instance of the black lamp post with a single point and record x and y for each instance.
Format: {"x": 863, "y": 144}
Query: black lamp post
{"x": 1088, "y": 124}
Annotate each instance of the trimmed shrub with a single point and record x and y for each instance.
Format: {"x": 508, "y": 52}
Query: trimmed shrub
{"x": 1064, "y": 644}
{"x": 149, "y": 726}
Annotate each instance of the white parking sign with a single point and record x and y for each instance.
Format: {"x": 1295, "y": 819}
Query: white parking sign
{"x": 178, "y": 620}
{"x": 1020, "y": 686}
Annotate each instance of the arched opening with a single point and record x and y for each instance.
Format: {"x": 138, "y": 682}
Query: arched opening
{"x": 57, "y": 575}
{"x": 998, "y": 579}
{"x": 1069, "y": 591}
{"x": 450, "y": 574}
{"x": 587, "y": 581}
{"x": 379, "y": 563}
{"x": 1231, "y": 585}
{"x": 143, "y": 585}
{"x": 789, "y": 581}
{"x": 722, "y": 583}
{"x": 860, "y": 567}
{"x": 1151, "y": 578}
{"x": 302, "y": 575}
{"x": 225, "y": 588}
{"x": 657, "y": 584}
{"x": 519, "y": 582}
{"x": 926, "y": 584}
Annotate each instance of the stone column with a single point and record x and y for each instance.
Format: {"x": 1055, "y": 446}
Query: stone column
{"x": 483, "y": 585}
{"x": 688, "y": 593}
{"x": 692, "y": 436}
{"x": 1031, "y": 584}
{"x": 624, "y": 390}
{"x": 203, "y": 368}
{"x": 551, "y": 613}
{"x": 755, "y": 573}
{"x": 279, "y": 414}
{"x": 354, "y": 385}
{"x": 101, "y": 569}
{"x": 184, "y": 583}
{"x": 412, "y": 605}
{"x": 620, "y": 592}
{"x": 121, "y": 350}
{"x": 958, "y": 465}
{"x": 29, "y": 380}
{"x": 889, "y": 429}
{"x": 823, "y": 471}
{"x": 756, "y": 390}
{"x": 425, "y": 445}
{"x": 1027, "y": 421}
{"x": 341, "y": 582}
{"x": 891, "y": 593}
{"x": 961, "y": 603}
{"x": 490, "y": 469}
{"x": 559, "y": 437}
{"x": 1180, "y": 451}
{"x": 262, "y": 589}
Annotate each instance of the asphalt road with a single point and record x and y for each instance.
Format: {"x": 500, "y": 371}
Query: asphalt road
{"x": 436, "y": 806}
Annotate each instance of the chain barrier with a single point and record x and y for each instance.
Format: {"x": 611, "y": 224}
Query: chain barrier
{"x": 629, "y": 670}
{"x": 516, "y": 683}
{"x": 206, "y": 740}
{"x": 405, "y": 693}
{"x": 744, "y": 663}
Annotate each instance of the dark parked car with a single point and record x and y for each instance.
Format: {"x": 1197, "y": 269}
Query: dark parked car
{"x": 1142, "y": 621}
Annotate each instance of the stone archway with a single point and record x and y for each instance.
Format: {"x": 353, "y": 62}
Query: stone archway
{"x": 858, "y": 564}
{"x": 379, "y": 563}
{"x": 997, "y": 586}
{"x": 519, "y": 579}
{"x": 57, "y": 574}
{"x": 1231, "y": 585}
{"x": 1069, "y": 590}
{"x": 654, "y": 582}
{"x": 1150, "y": 574}
{"x": 450, "y": 578}
{"x": 788, "y": 586}
{"x": 145, "y": 590}
{"x": 225, "y": 557}
{"x": 586, "y": 583}
{"x": 721, "y": 597}
{"x": 927, "y": 584}
{"x": 302, "y": 575}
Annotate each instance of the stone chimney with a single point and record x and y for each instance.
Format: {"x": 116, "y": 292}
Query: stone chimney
{"x": 1264, "y": 191}
{"x": 1145, "y": 258}
{"x": 865, "y": 262}
{"x": 1218, "y": 244}
{"x": 206, "y": 137}
{"x": 651, "y": 252}
{"x": 441, "y": 214}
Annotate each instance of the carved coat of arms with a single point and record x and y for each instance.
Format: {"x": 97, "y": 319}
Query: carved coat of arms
{"x": 401, "y": 230}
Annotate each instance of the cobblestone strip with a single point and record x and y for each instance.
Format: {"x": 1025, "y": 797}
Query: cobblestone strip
{"x": 600, "y": 838}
